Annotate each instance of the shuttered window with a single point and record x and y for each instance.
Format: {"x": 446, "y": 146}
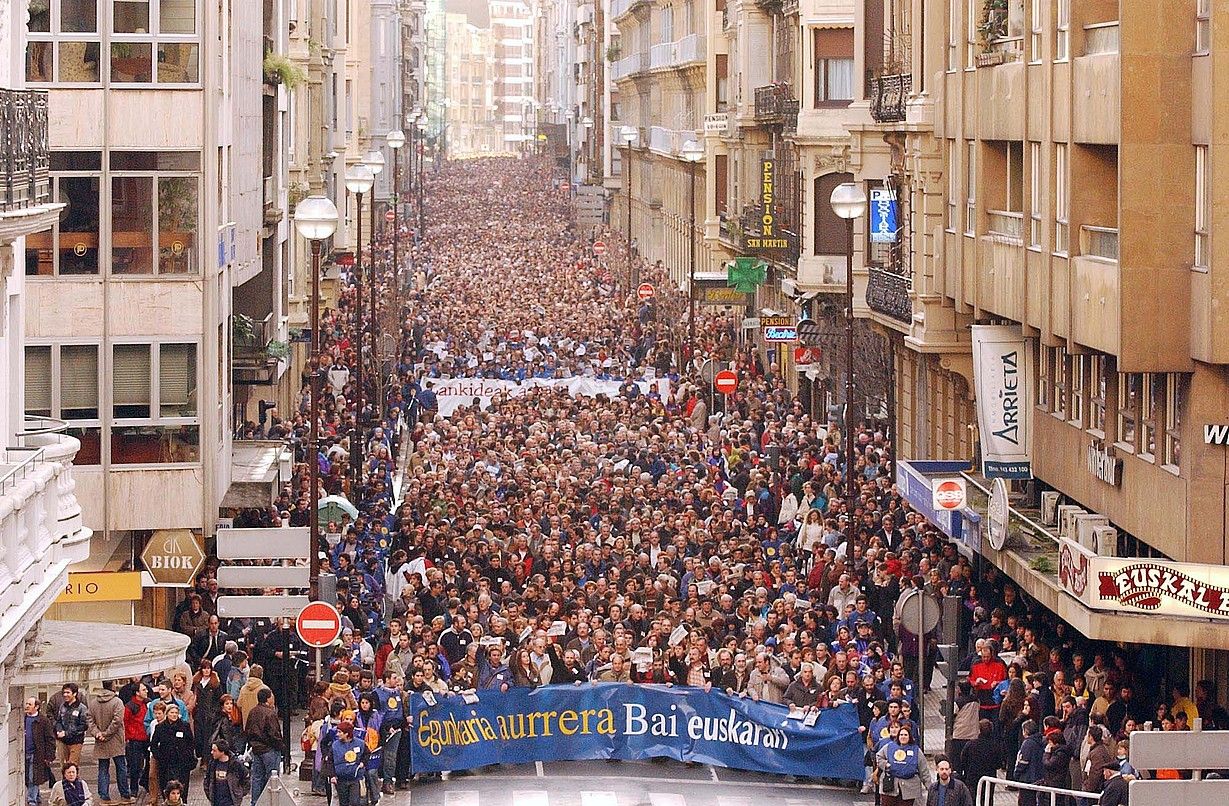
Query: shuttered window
{"x": 177, "y": 380}
{"x": 131, "y": 381}
{"x": 38, "y": 380}
{"x": 79, "y": 382}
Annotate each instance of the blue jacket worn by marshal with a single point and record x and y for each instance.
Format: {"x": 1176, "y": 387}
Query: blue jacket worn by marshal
{"x": 349, "y": 758}
{"x": 882, "y": 731}
{"x": 903, "y": 760}
{"x": 392, "y": 706}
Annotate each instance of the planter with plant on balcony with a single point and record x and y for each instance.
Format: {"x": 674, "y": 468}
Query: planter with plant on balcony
{"x": 280, "y": 70}
{"x": 993, "y": 27}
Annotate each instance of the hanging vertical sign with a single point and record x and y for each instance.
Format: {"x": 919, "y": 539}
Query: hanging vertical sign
{"x": 769, "y": 239}
{"x": 1003, "y": 375}
{"x": 884, "y": 228}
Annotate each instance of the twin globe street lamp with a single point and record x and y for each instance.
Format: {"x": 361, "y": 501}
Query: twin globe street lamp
{"x": 849, "y": 202}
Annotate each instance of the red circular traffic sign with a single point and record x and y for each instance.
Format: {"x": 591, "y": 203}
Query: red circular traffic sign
{"x": 318, "y": 624}
{"x": 599, "y": 247}
{"x": 390, "y": 216}
{"x": 646, "y": 291}
{"x": 949, "y": 495}
{"x": 726, "y": 381}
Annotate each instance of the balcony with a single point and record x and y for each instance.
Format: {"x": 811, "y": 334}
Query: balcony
{"x": 257, "y": 351}
{"x": 629, "y": 65}
{"x": 25, "y": 180}
{"x": 682, "y": 53}
{"x": 620, "y": 8}
{"x": 889, "y": 95}
{"x": 888, "y": 293}
{"x": 1006, "y": 224}
{"x": 776, "y": 104}
{"x": 670, "y": 141}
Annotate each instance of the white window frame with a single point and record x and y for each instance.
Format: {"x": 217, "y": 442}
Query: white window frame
{"x": 1035, "y": 53}
{"x": 1062, "y": 36}
{"x": 970, "y": 190}
{"x": 954, "y": 8}
{"x": 155, "y": 418}
{"x": 971, "y": 36}
{"x": 1045, "y": 379}
{"x": 1175, "y": 394}
{"x": 953, "y": 185}
{"x": 1098, "y": 394}
{"x": 153, "y": 176}
{"x": 1203, "y": 26}
{"x": 1077, "y": 383}
{"x": 1062, "y": 243}
{"x": 1203, "y": 209}
{"x": 1128, "y": 408}
{"x": 1035, "y": 198}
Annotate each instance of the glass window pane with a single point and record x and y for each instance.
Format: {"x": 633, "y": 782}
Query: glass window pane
{"x": 79, "y": 63}
{"x": 91, "y": 445}
{"x": 154, "y": 444}
{"x": 132, "y": 224}
{"x": 840, "y": 79}
{"x": 132, "y": 62}
{"x": 76, "y": 160}
{"x": 177, "y": 63}
{"x": 40, "y": 16}
{"x": 78, "y": 242}
{"x": 79, "y": 382}
{"x": 131, "y": 16}
{"x": 79, "y": 16}
{"x": 130, "y": 383}
{"x": 38, "y": 380}
{"x": 40, "y": 259}
{"x": 155, "y": 161}
{"x": 177, "y": 380}
{"x": 177, "y": 213}
{"x": 38, "y": 62}
{"x": 177, "y": 16}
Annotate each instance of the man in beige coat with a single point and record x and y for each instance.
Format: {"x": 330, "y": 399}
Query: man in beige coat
{"x": 106, "y": 724}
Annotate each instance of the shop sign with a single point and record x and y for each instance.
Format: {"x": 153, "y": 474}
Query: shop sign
{"x": 948, "y": 494}
{"x": 769, "y": 239}
{"x": 805, "y": 357}
{"x": 883, "y": 216}
{"x": 1003, "y": 372}
{"x": 998, "y": 512}
{"x": 723, "y": 296}
{"x": 173, "y": 557}
{"x": 1214, "y": 434}
{"x": 717, "y": 123}
{"x": 1143, "y": 585}
{"x": 101, "y": 586}
{"x": 779, "y": 329}
{"x": 1103, "y": 464}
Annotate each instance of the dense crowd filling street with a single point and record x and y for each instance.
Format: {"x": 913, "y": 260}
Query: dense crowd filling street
{"x": 646, "y": 533}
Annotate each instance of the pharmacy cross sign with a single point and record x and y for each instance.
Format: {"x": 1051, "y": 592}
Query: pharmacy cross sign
{"x": 746, "y": 273}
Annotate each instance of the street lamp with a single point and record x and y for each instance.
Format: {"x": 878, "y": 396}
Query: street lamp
{"x": 374, "y": 160}
{"x": 411, "y": 122}
{"x": 692, "y": 152}
{"x": 359, "y": 180}
{"x": 849, "y": 202}
{"x": 395, "y": 140}
{"x": 628, "y": 135}
{"x": 315, "y": 218}
{"x": 422, "y": 156}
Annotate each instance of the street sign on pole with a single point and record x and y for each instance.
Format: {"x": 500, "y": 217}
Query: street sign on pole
{"x": 810, "y": 332}
{"x": 726, "y": 382}
{"x": 646, "y": 291}
{"x": 390, "y": 216}
{"x": 599, "y": 248}
{"x": 264, "y": 576}
{"x": 261, "y": 606}
{"x": 264, "y": 544}
{"x": 319, "y": 624}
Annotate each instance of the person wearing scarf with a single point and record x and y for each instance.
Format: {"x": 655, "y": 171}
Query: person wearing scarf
{"x": 71, "y": 790}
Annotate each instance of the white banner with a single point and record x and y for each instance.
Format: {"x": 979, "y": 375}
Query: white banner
{"x": 1003, "y": 373}
{"x": 452, "y": 393}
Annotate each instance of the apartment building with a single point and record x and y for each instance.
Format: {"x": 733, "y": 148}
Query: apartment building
{"x": 512, "y": 30}
{"x": 470, "y": 117}
{"x": 1052, "y": 164}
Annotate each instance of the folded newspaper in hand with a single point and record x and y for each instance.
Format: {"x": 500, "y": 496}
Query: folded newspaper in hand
{"x": 704, "y": 586}
{"x": 680, "y": 632}
{"x": 642, "y": 658}
{"x": 557, "y": 630}
{"x": 469, "y": 696}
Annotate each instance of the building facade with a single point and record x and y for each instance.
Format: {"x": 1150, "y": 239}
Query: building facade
{"x": 470, "y": 118}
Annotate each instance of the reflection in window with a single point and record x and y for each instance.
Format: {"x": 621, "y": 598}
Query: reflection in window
{"x": 40, "y": 17}
{"x": 131, "y": 16}
{"x": 79, "y": 16}
{"x": 155, "y": 444}
{"x": 38, "y": 62}
{"x": 132, "y": 62}
{"x": 131, "y": 225}
{"x": 177, "y": 215}
{"x": 177, "y": 16}
{"x": 79, "y": 63}
{"x": 91, "y": 445}
{"x": 78, "y": 227}
{"x": 178, "y": 63}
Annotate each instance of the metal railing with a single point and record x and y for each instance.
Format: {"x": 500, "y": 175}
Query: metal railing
{"x": 888, "y": 293}
{"x": 16, "y": 464}
{"x": 889, "y": 95}
{"x": 25, "y": 177}
{"x": 252, "y": 348}
{"x": 775, "y": 103}
{"x": 1099, "y": 242}
{"x": 1101, "y": 37}
{"x": 1005, "y": 223}
{"x": 690, "y": 49}
{"x": 987, "y": 788}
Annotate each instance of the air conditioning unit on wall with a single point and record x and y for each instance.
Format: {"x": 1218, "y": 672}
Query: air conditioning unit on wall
{"x": 1049, "y": 507}
{"x": 1066, "y": 520}
{"x": 1085, "y": 526}
{"x": 1105, "y": 540}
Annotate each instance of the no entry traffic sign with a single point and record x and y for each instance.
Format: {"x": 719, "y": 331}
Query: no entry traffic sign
{"x": 389, "y": 215}
{"x": 318, "y": 624}
{"x": 726, "y": 382}
{"x": 599, "y": 248}
{"x": 646, "y": 291}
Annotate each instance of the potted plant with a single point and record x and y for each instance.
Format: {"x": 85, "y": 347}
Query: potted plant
{"x": 280, "y": 70}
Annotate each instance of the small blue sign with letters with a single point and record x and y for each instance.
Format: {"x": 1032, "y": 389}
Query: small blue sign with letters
{"x": 884, "y": 228}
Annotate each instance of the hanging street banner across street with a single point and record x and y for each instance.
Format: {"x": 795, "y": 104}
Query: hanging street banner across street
{"x": 631, "y": 722}
{"x": 1003, "y": 374}
{"x": 452, "y": 393}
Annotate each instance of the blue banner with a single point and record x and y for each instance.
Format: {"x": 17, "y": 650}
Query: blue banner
{"x": 883, "y": 216}
{"x": 632, "y": 722}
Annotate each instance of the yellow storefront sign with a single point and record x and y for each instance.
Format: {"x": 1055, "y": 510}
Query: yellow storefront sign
{"x": 101, "y": 586}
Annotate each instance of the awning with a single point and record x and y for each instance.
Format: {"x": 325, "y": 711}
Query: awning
{"x": 257, "y": 468}
{"x": 81, "y": 651}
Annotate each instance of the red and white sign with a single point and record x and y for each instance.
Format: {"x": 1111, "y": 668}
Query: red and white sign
{"x": 318, "y": 624}
{"x": 390, "y": 216}
{"x": 646, "y": 291}
{"x": 948, "y": 495}
{"x": 725, "y": 382}
{"x": 805, "y": 356}
{"x": 599, "y": 248}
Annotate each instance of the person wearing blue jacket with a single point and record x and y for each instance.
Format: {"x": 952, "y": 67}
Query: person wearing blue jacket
{"x": 1030, "y": 761}
{"x": 367, "y": 721}
{"x": 391, "y": 702}
{"x": 346, "y": 764}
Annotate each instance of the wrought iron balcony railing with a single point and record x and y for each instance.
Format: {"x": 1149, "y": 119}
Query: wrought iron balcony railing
{"x": 889, "y": 95}
{"x": 888, "y": 293}
{"x": 775, "y": 103}
{"x": 24, "y": 155}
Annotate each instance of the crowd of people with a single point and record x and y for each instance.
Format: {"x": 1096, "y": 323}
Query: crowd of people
{"x": 657, "y": 535}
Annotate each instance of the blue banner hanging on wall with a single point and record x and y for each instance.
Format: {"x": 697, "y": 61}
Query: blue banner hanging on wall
{"x": 619, "y": 721}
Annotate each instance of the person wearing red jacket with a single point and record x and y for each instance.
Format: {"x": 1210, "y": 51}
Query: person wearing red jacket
{"x": 137, "y": 747}
{"x": 987, "y": 672}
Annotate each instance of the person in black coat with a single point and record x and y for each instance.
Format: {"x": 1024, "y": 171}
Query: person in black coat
{"x": 1029, "y": 761}
{"x": 1114, "y": 792}
{"x": 1056, "y": 764}
{"x": 956, "y": 794}
{"x": 980, "y": 757}
{"x": 173, "y": 745}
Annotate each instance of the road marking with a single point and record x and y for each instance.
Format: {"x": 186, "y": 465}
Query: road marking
{"x": 538, "y": 766}
{"x": 598, "y": 799}
{"x": 530, "y": 797}
{"x": 713, "y": 772}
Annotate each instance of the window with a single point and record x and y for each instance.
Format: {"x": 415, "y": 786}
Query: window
{"x": 1098, "y": 382}
{"x": 1062, "y": 37}
{"x": 1045, "y": 380}
{"x": 970, "y": 187}
{"x": 1203, "y": 206}
{"x": 1061, "y": 387}
{"x": 1035, "y": 172}
{"x": 64, "y": 42}
{"x": 954, "y": 8}
{"x": 1036, "y": 30}
{"x": 71, "y": 246}
{"x": 1152, "y": 401}
{"x": 1129, "y": 393}
{"x": 971, "y": 35}
{"x": 1203, "y": 28}
{"x": 149, "y": 209}
{"x": 831, "y": 237}
{"x": 154, "y": 404}
{"x": 667, "y": 24}
{"x": 953, "y": 185}
{"x": 1175, "y": 400}
{"x": 834, "y": 74}
{"x": 1076, "y": 378}
{"x": 1060, "y": 198}
{"x": 62, "y": 382}
{"x": 38, "y": 381}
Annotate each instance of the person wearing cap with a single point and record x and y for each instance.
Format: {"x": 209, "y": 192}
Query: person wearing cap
{"x": 345, "y": 764}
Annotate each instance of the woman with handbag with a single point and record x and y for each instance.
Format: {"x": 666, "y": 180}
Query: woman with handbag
{"x": 904, "y": 772}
